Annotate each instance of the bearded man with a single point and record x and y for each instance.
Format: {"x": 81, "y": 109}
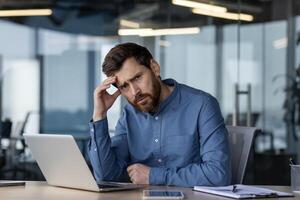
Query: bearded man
{"x": 168, "y": 133}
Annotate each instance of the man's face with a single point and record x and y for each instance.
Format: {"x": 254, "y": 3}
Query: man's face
{"x": 139, "y": 84}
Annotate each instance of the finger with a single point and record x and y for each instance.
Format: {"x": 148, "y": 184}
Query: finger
{"x": 131, "y": 167}
{"x": 133, "y": 179}
{"x": 131, "y": 174}
{"x": 106, "y": 83}
{"x": 100, "y": 89}
{"x": 104, "y": 87}
{"x": 132, "y": 171}
{"x": 129, "y": 170}
{"x": 110, "y": 80}
{"x": 116, "y": 94}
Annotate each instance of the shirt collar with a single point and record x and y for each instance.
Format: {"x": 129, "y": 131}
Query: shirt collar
{"x": 172, "y": 100}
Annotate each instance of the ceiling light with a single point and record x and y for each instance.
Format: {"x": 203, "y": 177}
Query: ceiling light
{"x": 130, "y": 24}
{"x": 157, "y": 32}
{"x": 25, "y": 12}
{"x": 194, "y": 4}
{"x": 171, "y": 31}
{"x": 133, "y": 31}
{"x": 227, "y": 15}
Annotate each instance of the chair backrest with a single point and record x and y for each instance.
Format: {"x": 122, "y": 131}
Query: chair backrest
{"x": 240, "y": 142}
{"x": 5, "y": 129}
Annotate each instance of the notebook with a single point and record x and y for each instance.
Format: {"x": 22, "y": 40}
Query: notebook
{"x": 243, "y": 192}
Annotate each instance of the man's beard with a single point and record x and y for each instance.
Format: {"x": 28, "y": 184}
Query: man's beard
{"x": 152, "y": 100}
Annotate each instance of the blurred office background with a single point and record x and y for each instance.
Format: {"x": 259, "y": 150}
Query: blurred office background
{"x": 246, "y": 53}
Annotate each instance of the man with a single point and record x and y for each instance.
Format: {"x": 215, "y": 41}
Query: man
{"x": 168, "y": 133}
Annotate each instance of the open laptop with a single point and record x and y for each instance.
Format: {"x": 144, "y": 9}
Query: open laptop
{"x": 62, "y": 164}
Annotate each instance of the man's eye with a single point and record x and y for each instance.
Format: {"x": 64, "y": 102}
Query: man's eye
{"x": 123, "y": 87}
{"x": 137, "y": 77}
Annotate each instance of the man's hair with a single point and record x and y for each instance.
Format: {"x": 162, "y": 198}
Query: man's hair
{"x": 116, "y": 57}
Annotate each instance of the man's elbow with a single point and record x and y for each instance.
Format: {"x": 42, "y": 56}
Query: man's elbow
{"x": 221, "y": 179}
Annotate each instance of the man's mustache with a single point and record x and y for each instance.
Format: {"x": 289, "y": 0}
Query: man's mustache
{"x": 139, "y": 97}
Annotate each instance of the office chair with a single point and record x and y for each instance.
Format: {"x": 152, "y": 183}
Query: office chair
{"x": 5, "y": 130}
{"x": 17, "y": 164}
{"x": 240, "y": 142}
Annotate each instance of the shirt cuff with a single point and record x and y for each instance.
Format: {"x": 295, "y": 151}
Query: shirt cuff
{"x": 157, "y": 176}
{"x": 97, "y": 126}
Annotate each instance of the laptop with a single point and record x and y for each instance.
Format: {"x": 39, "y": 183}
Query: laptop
{"x": 62, "y": 164}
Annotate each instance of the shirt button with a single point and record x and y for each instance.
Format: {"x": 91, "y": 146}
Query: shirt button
{"x": 159, "y": 160}
{"x": 156, "y": 118}
{"x": 156, "y": 140}
{"x": 95, "y": 149}
{"x": 92, "y": 130}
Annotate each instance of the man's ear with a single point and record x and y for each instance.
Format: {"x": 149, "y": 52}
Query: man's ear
{"x": 155, "y": 68}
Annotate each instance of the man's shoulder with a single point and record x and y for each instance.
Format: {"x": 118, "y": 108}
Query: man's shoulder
{"x": 193, "y": 94}
{"x": 129, "y": 109}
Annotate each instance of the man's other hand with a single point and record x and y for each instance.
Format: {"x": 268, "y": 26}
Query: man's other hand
{"x": 139, "y": 173}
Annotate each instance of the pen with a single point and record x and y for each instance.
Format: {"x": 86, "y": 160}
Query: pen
{"x": 234, "y": 188}
{"x": 291, "y": 161}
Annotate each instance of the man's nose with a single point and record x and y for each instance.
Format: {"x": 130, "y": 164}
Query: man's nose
{"x": 135, "y": 90}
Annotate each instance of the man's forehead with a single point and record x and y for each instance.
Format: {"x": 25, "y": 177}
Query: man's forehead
{"x": 128, "y": 72}
{"x": 125, "y": 76}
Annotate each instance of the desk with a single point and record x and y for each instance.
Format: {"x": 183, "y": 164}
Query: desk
{"x": 40, "y": 190}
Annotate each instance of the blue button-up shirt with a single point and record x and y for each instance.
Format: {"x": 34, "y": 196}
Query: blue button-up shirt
{"x": 185, "y": 142}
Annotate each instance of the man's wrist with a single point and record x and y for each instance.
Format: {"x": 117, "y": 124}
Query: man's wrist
{"x": 98, "y": 117}
{"x": 98, "y": 129}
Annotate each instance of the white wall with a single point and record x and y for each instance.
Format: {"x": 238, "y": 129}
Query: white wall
{"x": 21, "y": 91}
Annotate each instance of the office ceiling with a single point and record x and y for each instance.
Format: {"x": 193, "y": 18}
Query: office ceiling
{"x": 101, "y": 17}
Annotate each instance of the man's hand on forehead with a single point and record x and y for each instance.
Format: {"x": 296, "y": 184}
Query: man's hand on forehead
{"x": 103, "y": 100}
{"x": 115, "y": 82}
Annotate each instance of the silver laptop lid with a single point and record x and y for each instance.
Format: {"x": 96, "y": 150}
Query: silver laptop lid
{"x": 61, "y": 161}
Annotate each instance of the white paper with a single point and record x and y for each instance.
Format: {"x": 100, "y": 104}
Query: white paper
{"x": 242, "y": 191}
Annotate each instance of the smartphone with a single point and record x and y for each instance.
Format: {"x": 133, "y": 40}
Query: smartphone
{"x": 162, "y": 194}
